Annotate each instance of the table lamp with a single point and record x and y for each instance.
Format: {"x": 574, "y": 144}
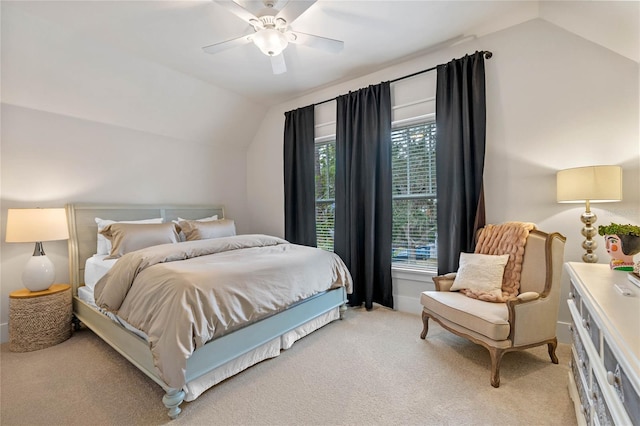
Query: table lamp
{"x": 592, "y": 184}
{"x": 36, "y": 226}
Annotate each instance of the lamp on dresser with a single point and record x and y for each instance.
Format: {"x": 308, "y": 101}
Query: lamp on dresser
{"x": 591, "y": 184}
{"x": 36, "y": 226}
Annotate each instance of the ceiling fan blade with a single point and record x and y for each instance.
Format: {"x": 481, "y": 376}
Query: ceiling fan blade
{"x": 317, "y": 42}
{"x": 224, "y": 45}
{"x": 239, "y": 11}
{"x": 278, "y": 65}
{"x": 293, "y": 9}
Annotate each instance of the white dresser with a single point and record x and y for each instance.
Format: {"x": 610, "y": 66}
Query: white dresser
{"x": 604, "y": 381}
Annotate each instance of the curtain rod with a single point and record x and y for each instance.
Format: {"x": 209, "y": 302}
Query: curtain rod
{"x": 487, "y": 55}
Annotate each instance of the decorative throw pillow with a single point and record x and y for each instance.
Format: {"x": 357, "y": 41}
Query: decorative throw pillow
{"x": 481, "y": 273}
{"x": 104, "y": 245}
{"x": 194, "y": 230}
{"x": 128, "y": 237}
{"x": 204, "y": 219}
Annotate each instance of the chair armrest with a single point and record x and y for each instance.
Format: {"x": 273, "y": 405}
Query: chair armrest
{"x": 532, "y": 318}
{"x": 528, "y": 296}
{"x": 444, "y": 282}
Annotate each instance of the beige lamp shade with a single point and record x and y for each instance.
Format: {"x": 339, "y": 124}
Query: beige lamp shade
{"x": 33, "y": 225}
{"x": 596, "y": 184}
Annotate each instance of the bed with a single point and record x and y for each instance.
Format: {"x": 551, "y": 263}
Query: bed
{"x": 210, "y": 363}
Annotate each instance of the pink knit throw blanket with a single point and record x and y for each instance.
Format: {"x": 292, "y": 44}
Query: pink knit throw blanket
{"x": 506, "y": 238}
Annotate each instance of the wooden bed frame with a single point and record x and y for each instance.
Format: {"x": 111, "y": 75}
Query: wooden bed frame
{"x": 217, "y": 353}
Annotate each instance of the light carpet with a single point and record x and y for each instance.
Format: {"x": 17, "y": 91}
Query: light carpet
{"x": 371, "y": 368}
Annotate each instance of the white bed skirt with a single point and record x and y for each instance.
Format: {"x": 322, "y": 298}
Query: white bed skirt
{"x": 271, "y": 349}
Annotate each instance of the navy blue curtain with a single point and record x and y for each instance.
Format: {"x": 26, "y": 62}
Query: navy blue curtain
{"x": 363, "y": 214}
{"x": 460, "y": 151}
{"x": 299, "y": 177}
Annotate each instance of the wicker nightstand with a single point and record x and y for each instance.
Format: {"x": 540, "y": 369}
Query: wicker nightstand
{"x": 39, "y": 319}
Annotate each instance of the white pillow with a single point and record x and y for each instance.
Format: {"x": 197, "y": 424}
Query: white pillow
{"x": 204, "y": 219}
{"x": 104, "y": 245}
{"x": 481, "y": 273}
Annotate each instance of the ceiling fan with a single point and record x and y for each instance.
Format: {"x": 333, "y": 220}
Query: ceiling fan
{"x": 272, "y": 33}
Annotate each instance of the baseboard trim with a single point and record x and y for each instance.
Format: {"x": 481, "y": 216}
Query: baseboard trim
{"x": 407, "y": 304}
{"x": 562, "y": 332}
{"x": 4, "y": 332}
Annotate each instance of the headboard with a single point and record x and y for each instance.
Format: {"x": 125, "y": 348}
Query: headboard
{"x": 83, "y": 230}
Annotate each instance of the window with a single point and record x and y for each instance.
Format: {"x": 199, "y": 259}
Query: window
{"x": 414, "y": 194}
{"x": 325, "y": 192}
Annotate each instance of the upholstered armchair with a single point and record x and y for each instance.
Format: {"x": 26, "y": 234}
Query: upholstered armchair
{"x": 522, "y": 312}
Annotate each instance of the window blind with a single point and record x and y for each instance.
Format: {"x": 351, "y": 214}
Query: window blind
{"x": 414, "y": 195}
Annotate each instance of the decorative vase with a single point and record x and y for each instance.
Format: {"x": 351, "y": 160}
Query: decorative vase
{"x": 622, "y": 248}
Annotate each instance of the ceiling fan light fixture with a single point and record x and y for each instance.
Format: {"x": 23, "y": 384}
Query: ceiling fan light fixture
{"x": 270, "y": 41}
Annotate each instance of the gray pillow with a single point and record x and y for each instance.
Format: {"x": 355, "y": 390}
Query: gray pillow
{"x": 195, "y": 230}
{"x": 128, "y": 237}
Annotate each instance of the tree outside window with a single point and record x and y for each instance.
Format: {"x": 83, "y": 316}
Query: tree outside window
{"x": 414, "y": 195}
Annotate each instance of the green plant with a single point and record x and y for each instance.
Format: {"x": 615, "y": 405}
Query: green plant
{"x": 617, "y": 229}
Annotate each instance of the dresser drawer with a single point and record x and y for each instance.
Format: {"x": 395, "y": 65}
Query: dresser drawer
{"x": 582, "y": 358}
{"x": 581, "y": 385}
{"x": 617, "y": 378}
{"x": 591, "y": 326}
{"x": 602, "y": 413}
{"x": 575, "y": 295}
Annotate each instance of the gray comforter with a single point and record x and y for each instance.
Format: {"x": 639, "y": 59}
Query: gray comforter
{"x": 184, "y": 295}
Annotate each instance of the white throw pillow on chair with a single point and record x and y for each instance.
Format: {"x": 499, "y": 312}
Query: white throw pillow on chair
{"x": 481, "y": 273}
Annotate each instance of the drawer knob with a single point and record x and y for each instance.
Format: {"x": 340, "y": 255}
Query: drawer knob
{"x": 613, "y": 378}
{"x": 571, "y": 295}
{"x": 585, "y": 324}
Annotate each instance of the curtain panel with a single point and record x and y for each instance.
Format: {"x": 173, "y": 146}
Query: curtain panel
{"x": 460, "y": 152}
{"x": 299, "y": 177}
{"x": 363, "y": 213}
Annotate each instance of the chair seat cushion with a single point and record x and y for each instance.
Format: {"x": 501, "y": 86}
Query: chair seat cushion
{"x": 489, "y": 319}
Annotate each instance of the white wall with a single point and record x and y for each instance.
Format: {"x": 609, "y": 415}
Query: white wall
{"x": 554, "y": 101}
{"x": 83, "y": 122}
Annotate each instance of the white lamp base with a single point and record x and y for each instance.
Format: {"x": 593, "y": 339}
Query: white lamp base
{"x": 39, "y": 273}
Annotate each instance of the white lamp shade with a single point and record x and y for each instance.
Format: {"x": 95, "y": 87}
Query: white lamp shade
{"x": 39, "y": 273}
{"x": 596, "y": 184}
{"x": 33, "y": 225}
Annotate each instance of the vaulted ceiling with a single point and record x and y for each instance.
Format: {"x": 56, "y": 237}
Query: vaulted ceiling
{"x": 375, "y": 34}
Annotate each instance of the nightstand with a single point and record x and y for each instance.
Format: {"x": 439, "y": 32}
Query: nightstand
{"x": 39, "y": 319}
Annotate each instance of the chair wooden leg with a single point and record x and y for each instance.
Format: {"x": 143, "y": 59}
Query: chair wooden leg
{"x": 496, "y": 359}
{"x": 551, "y": 346}
{"x": 425, "y": 326}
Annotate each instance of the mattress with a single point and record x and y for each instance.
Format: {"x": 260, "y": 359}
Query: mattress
{"x": 95, "y": 267}
{"x": 85, "y": 293}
